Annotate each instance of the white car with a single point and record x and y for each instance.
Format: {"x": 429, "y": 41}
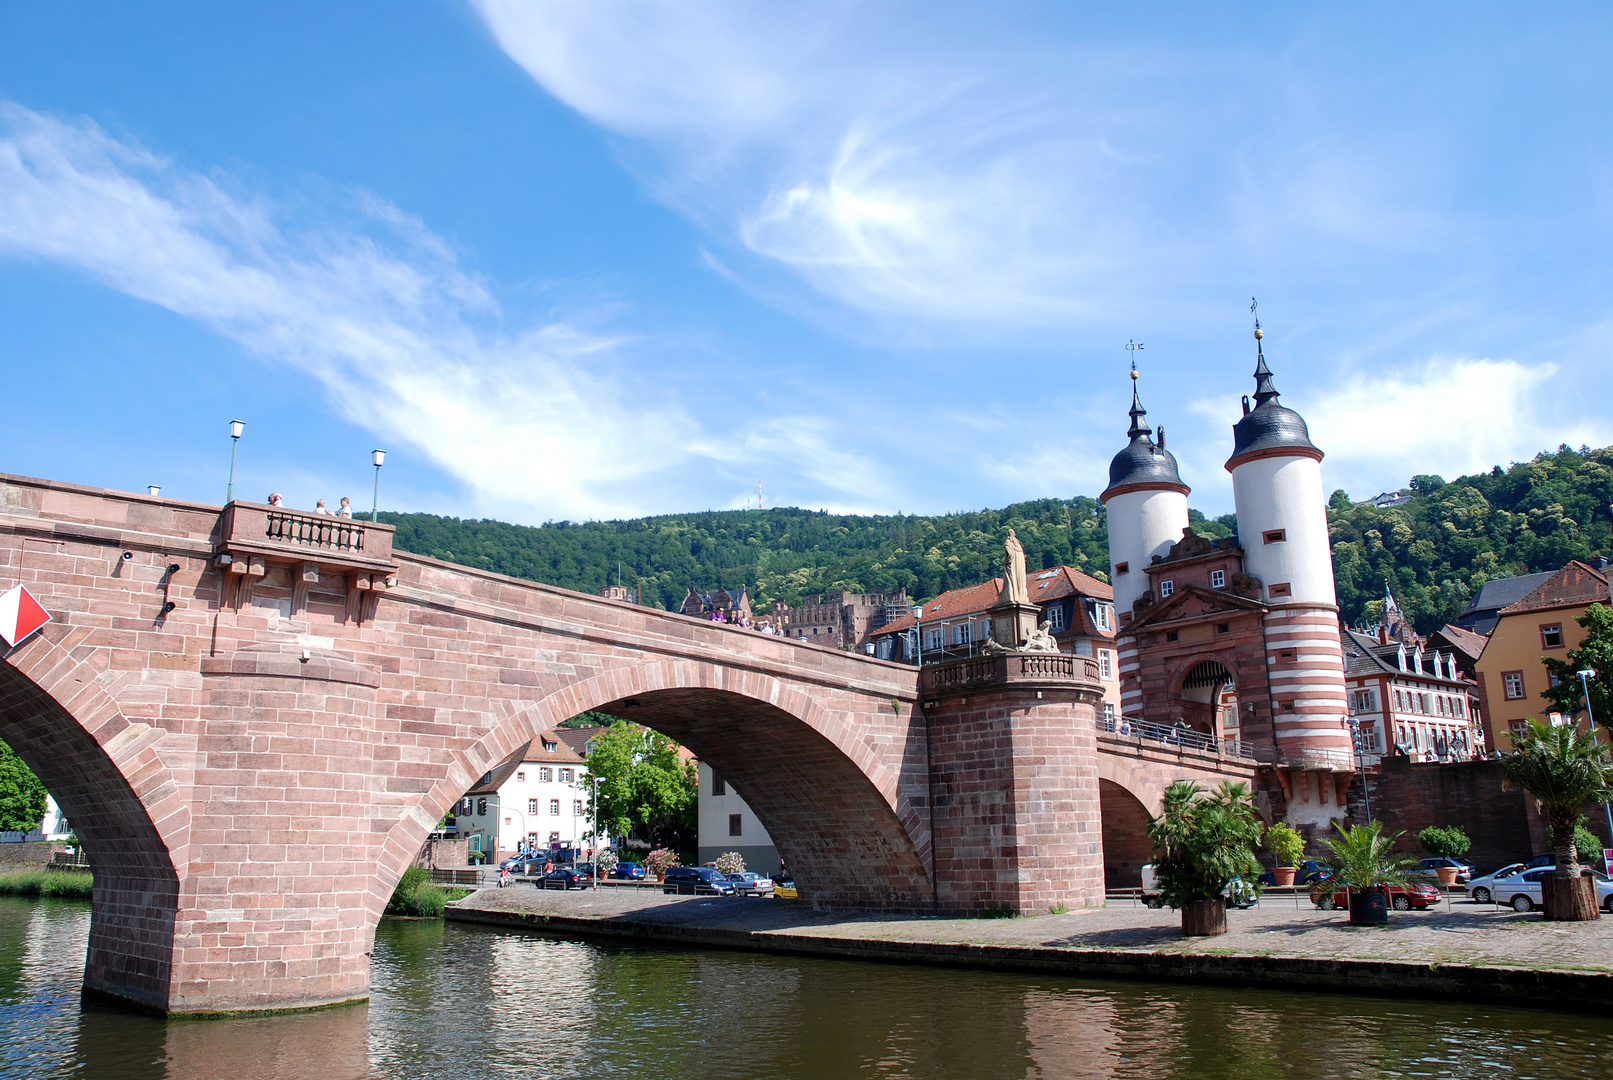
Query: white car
{"x": 749, "y": 884}
{"x": 1523, "y": 890}
{"x": 1482, "y": 890}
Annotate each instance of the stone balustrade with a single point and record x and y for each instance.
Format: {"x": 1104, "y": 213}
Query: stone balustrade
{"x": 274, "y": 534}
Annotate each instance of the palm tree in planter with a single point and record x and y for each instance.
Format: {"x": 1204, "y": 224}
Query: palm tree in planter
{"x": 1202, "y": 842}
{"x": 1563, "y": 770}
{"x": 1363, "y": 860}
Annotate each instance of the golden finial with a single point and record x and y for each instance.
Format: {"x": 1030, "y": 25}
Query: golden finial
{"x": 1254, "y": 305}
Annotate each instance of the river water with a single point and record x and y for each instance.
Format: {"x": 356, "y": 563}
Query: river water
{"x": 459, "y": 1002}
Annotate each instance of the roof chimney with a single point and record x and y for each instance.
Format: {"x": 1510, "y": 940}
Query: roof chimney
{"x": 1162, "y": 446}
{"x": 1383, "y": 633}
{"x": 1246, "y": 404}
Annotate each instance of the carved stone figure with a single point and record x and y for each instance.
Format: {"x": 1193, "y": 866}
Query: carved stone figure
{"x": 1014, "y": 591}
{"x": 1041, "y": 640}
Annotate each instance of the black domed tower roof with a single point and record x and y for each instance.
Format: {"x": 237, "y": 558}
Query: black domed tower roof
{"x": 1268, "y": 429}
{"x": 1143, "y": 464}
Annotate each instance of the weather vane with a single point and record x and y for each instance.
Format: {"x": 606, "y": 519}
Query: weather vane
{"x": 1254, "y": 309}
{"x": 1133, "y": 347}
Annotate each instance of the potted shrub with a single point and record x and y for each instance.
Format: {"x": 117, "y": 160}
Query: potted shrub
{"x": 658, "y": 861}
{"x": 605, "y": 862}
{"x": 1563, "y": 770}
{"x": 1363, "y": 863}
{"x": 1203, "y": 842}
{"x": 1445, "y": 842}
{"x": 1284, "y": 842}
{"x": 730, "y": 862}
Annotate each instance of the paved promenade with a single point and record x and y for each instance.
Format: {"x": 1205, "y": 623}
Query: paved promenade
{"x": 1459, "y": 950}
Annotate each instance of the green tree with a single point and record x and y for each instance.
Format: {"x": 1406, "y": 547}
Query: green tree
{"x": 1595, "y": 653}
{"x": 1363, "y": 857}
{"x": 1202, "y": 840}
{"x": 647, "y": 789}
{"x": 1563, "y": 770}
{"x": 22, "y": 796}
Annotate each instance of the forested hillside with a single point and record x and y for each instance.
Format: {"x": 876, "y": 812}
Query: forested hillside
{"x": 1435, "y": 550}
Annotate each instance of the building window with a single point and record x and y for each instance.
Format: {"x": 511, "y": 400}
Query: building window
{"x": 985, "y": 629}
{"x": 934, "y": 639}
{"x": 1172, "y": 635}
{"x": 1363, "y": 701}
{"x": 1223, "y": 628}
{"x": 1274, "y": 536}
{"x": 1288, "y": 706}
{"x": 1105, "y": 616}
{"x": 1520, "y": 728}
{"x": 565, "y": 776}
{"x": 532, "y": 806}
{"x": 1280, "y": 589}
{"x": 1551, "y": 637}
{"x": 1218, "y": 579}
{"x": 520, "y": 778}
{"x": 1055, "y": 616}
{"x": 1166, "y": 588}
{"x": 1285, "y": 656}
{"x": 736, "y": 824}
{"x": 545, "y": 775}
{"x": 1122, "y": 568}
{"x": 1106, "y": 665}
{"x": 962, "y": 634}
{"x": 1512, "y": 681}
{"x": 1109, "y": 712}
{"x": 576, "y": 807}
{"x": 554, "y": 807}
{"x": 719, "y": 786}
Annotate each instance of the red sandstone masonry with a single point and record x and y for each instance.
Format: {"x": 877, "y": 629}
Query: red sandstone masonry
{"x": 251, "y": 773}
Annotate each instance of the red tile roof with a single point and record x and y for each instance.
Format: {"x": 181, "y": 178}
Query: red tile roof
{"x": 1041, "y": 586}
{"x": 1575, "y": 585}
{"x": 1467, "y": 641}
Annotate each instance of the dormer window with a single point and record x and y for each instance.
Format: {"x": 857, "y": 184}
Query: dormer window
{"x": 1166, "y": 588}
{"x": 1400, "y": 657}
{"x": 1218, "y": 579}
{"x": 549, "y": 746}
{"x": 1417, "y": 661}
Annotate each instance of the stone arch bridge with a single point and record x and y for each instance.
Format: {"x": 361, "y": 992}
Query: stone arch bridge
{"x": 253, "y": 717}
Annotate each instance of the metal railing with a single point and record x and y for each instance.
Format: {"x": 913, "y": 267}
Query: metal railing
{"x": 1174, "y": 737}
{"x": 315, "y": 530}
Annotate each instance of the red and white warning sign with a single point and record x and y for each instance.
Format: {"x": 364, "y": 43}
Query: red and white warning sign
{"x": 20, "y": 615}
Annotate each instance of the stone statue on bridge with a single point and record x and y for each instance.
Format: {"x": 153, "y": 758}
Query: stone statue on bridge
{"x": 1014, "y": 590}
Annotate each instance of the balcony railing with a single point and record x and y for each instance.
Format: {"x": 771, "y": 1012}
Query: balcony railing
{"x": 1006, "y": 668}
{"x": 291, "y": 536}
{"x": 1174, "y": 737}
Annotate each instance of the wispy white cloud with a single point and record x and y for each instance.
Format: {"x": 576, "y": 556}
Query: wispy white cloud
{"x": 404, "y": 341}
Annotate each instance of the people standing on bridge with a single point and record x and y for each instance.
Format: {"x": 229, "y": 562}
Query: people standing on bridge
{"x": 275, "y": 499}
{"x": 321, "y": 509}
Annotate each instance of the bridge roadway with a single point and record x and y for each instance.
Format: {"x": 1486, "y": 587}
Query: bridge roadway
{"x": 253, "y": 717}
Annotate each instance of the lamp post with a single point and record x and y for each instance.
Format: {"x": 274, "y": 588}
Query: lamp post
{"x": 236, "y": 427}
{"x": 596, "y": 779}
{"x": 379, "y": 457}
{"x": 918, "y": 633}
{"x": 1585, "y": 677}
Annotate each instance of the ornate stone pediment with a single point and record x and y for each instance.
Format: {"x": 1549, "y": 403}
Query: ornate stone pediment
{"x": 1194, "y": 602}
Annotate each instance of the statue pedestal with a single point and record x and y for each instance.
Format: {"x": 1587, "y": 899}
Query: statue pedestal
{"x": 1012, "y": 623}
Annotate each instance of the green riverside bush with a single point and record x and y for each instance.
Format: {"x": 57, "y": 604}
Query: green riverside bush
{"x": 50, "y": 883}
{"x": 417, "y": 896}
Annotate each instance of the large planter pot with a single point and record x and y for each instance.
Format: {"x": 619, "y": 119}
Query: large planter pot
{"x": 1369, "y": 907}
{"x": 1569, "y": 899}
{"x": 1447, "y": 875}
{"x": 1285, "y": 874}
{"x": 1204, "y": 918}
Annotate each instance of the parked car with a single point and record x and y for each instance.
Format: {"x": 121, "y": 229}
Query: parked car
{"x": 1484, "y": 888}
{"x": 586, "y": 869}
{"x": 749, "y": 884}
{"x": 628, "y": 871}
{"x": 1237, "y": 894}
{"x": 697, "y": 881}
{"x": 565, "y": 877}
{"x": 1416, "y": 896}
{"x": 515, "y": 864}
{"x": 784, "y": 888}
{"x": 1431, "y": 867}
{"x": 1307, "y": 873}
{"x": 1522, "y": 891}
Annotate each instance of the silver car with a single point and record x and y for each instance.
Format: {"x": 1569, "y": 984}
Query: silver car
{"x": 1523, "y": 890}
{"x": 749, "y": 884}
{"x": 1482, "y": 890}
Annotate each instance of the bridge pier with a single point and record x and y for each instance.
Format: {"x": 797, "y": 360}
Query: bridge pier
{"x": 1016, "y": 822}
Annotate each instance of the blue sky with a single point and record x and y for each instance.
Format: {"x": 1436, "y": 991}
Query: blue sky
{"x": 596, "y": 260}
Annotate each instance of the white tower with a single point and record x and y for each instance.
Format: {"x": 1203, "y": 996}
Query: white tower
{"x": 1282, "y": 527}
{"x": 1147, "y": 508}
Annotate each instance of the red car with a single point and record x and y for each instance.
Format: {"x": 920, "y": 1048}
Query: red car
{"x": 1401, "y": 897}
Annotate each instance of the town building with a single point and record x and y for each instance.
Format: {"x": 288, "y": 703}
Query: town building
{"x": 718, "y": 604}
{"x": 535, "y": 798}
{"x": 1539, "y": 623}
{"x": 842, "y": 620}
{"x": 727, "y": 824}
{"x": 1408, "y": 701}
{"x": 1484, "y": 612}
{"x": 1236, "y": 638}
{"x": 1078, "y": 608}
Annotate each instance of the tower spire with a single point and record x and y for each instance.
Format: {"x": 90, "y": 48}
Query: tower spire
{"x": 1265, "y": 389}
{"x": 1138, "y": 429}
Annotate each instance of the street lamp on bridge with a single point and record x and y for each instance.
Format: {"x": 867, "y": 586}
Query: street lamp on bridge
{"x": 236, "y": 427}
{"x": 377, "y": 456}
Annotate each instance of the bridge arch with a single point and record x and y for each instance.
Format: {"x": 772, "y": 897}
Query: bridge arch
{"x": 838, "y": 813}
{"x": 122, "y": 801}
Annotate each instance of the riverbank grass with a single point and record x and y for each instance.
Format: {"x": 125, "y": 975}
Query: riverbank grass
{"x": 416, "y": 897}
{"x": 56, "y": 884}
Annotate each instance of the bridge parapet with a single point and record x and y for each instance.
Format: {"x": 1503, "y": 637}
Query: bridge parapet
{"x": 255, "y": 535}
{"x": 1018, "y": 670}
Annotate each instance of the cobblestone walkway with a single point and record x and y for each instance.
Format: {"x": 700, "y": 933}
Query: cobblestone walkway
{"x": 1460, "y": 933}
